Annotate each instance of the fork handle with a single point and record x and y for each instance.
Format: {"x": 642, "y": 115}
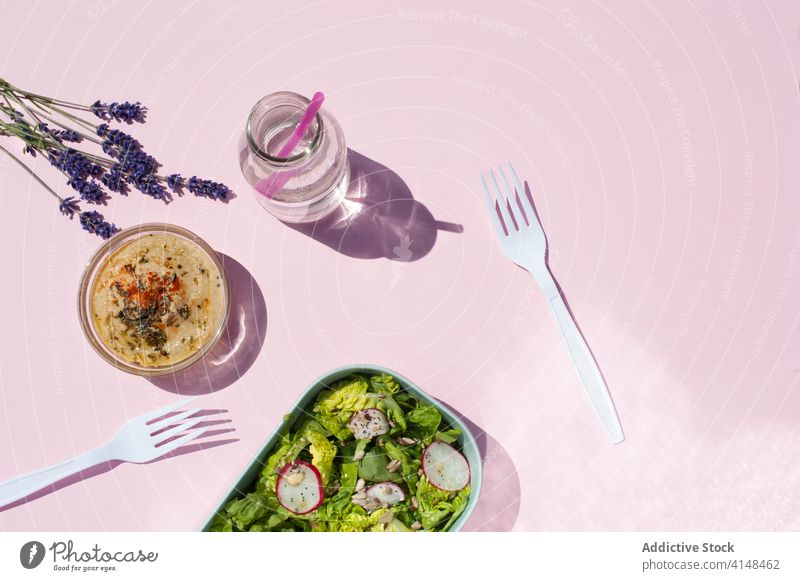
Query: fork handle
{"x": 583, "y": 361}
{"x": 18, "y": 488}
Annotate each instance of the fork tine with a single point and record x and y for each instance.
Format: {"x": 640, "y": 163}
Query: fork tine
{"x": 502, "y": 202}
{"x": 161, "y": 424}
{"x": 166, "y": 422}
{"x": 155, "y": 414}
{"x": 184, "y": 427}
{"x": 523, "y": 196}
{"x": 494, "y": 218}
{"x": 509, "y": 191}
{"x": 178, "y": 442}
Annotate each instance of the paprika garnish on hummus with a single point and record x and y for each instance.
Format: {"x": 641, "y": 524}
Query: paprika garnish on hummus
{"x": 157, "y": 300}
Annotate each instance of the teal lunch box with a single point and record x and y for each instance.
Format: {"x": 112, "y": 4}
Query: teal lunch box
{"x": 466, "y": 441}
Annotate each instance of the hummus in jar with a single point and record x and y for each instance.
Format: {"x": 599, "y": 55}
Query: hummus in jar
{"x": 157, "y": 300}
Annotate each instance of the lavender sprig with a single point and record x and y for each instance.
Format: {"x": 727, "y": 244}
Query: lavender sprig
{"x": 134, "y": 166}
{"x": 69, "y": 206}
{"x": 81, "y": 174}
{"x": 95, "y": 223}
{"x": 207, "y": 188}
{"x": 199, "y": 187}
{"x": 90, "y": 221}
{"x": 123, "y": 112}
{"x": 126, "y": 165}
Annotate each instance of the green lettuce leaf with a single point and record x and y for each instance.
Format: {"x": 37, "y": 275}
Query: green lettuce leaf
{"x": 334, "y": 426}
{"x": 221, "y": 523}
{"x": 339, "y": 513}
{"x": 386, "y": 387}
{"x": 245, "y": 511}
{"x": 396, "y": 526}
{"x": 384, "y": 384}
{"x": 323, "y": 453}
{"x": 459, "y": 503}
{"x": 448, "y": 436}
{"x": 409, "y": 462}
{"x": 437, "y": 505}
{"x": 357, "y": 520}
{"x": 423, "y": 423}
{"x": 348, "y": 477}
{"x": 372, "y": 467}
{"x": 344, "y": 398}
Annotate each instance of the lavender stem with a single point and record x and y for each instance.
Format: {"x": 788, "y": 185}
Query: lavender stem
{"x": 30, "y": 171}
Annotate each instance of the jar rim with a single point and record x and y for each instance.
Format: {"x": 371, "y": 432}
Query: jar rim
{"x": 256, "y": 148}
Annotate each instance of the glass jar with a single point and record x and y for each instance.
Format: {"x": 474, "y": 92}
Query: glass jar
{"x": 156, "y": 237}
{"x": 316, "y": 173}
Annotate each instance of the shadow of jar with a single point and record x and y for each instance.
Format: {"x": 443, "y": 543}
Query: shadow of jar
{"x": 237, "y": 348}
{"x": 378, "y": 218}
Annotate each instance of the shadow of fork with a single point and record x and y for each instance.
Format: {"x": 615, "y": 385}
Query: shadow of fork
{"x": 527, "y": 193}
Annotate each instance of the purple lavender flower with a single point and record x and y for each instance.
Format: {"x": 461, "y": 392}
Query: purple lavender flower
{"x": 69, "y": 206}
{"x": 208, "y": 189}
{"x": 95, "y": 223}
{"x": 133, "y": 163}
{"x": 60, "y": 135}
{"x": 80, "y": 171}
{"x": 89, "y": 190}
{"x": 118, "y": 144}
{"x": 137, "y": 163}
{"x": 67, "y": 135}
{"x": 175, "y": 182}
{"x": 114, "y": 180}
{"x": 45, "y": 128}
{"x": 117, "y": 138}
{"x": 16, "y": 116}
{"x": 126, "y": 164}
{"x": 150, "y": 185}
{"x": 139, "y": 170}
{"x": 74, "y": 163}
{"x": 122, "y": 112}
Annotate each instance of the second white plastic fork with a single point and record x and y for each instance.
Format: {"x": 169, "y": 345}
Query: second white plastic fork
{"x": 523, "y": 241}
{"x": 137, "y": 441}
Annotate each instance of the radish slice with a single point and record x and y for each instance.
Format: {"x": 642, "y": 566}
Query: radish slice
{"x": 386, "y": 493}
{"x": 299, "y": 487}
{"x": 445, "y": 467}
{"x": 368, "y": 423}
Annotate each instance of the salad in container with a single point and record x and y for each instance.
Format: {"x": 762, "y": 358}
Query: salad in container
{"x": 364, "y": 450}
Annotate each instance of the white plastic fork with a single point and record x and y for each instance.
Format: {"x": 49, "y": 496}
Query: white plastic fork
{"x": 523, "y": 241}
{"x": 137, "y": 442}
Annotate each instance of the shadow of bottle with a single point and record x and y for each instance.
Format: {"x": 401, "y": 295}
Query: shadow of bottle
{"x": 239, "y": 345}
{"x": 499, "y": 503}
{"x": 378, "y": 218}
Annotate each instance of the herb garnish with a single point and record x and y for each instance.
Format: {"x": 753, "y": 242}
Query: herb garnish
{"x": 145, "y": 301}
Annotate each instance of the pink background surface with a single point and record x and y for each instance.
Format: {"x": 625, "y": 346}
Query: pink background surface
{"x": 660, "y": 141}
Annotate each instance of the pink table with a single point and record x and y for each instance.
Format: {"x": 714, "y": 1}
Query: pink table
{"x": 660, "y": 142}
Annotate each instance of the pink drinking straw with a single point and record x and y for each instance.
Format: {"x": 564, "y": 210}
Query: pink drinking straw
{"x": 273, "y": 184}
